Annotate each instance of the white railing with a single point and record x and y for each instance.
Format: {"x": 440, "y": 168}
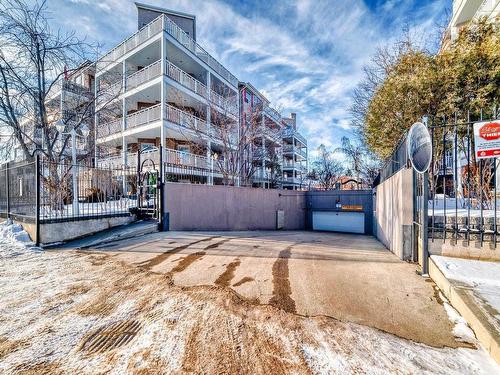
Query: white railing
{"x": 274, "y": 134}
{"x": 113, "y": 162}
{"x": 185, "y": 119}
{"x": 108, "y": 128}
{"x": 144, "y": 75}
{"x": 186, "y": 80}
{"x": 186, "y": 159}
{"x": 271, "y": 112}
{"x": 136, "y": 39}
{"x": 144, "y": 116}
{"x": 226, "y": 104}
{"x": 289, "y": 132}
{"x": 188, "y": 42}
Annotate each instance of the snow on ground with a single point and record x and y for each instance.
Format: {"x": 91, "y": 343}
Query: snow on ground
{"x": 461, "y": 329}
{"x": 482, "y": 276}
{"x": 56, "y": 305}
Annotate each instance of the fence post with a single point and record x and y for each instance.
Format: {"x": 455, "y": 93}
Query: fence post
{"x": 7, "y": 188}
{"x": 425, "y": 224}
{"x": 37, "y": 200}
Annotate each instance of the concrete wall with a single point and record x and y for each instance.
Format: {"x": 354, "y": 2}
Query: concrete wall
{"x": 393, "y": 213}
{"x": 68, "y": 230}
{"x": 203, "y": 207}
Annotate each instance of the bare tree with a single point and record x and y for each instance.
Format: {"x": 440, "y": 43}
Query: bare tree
{"x": 37, "y": 65}
{"x": 326, "y": 170}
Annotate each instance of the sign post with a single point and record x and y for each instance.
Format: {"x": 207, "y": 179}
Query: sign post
{"x": 487, "y": 139}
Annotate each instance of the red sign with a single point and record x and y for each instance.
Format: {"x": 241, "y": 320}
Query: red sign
{"x": 487, "y": 139}
{"x": 490, "y": 131}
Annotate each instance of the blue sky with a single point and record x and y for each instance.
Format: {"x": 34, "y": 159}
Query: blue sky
{"x": 306, "y": 56}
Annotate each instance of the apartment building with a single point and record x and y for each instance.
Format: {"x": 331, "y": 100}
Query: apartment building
{"x": 168, "y": 91}
{"x": 294, "y": 155}
{"x": 262, "y": 126}
{"x": 464, "y": 11}
{"x": 70, "y": 100}
{"x": 159, "y": 87}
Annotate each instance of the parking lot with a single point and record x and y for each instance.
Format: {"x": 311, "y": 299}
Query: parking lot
{"x": 349, "y": 277}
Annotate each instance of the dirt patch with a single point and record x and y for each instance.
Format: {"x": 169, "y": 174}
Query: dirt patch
{"x": 244, "y": 280}
{"x": 225, "y": 278}
{"x": 9, "y": 346}
{"x": 186, "y": 261}
{"x": 217, "y": 244}
{"x": 281, "y": 283}
{"x": 111, "y": 337}
{"x": 164, "y": 256}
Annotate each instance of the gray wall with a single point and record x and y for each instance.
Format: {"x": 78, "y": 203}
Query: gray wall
{"x": 203, "y": 207}
{"x": 187, "y": 24}
{"x": 394, "y": 213}
{"x": 327, "y": 200}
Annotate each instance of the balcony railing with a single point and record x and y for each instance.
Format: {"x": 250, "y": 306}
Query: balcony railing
{"x": 152, "y": 29}
{"x": 184, "y": 39}
{"x": 144, "y": 75}
{"x": 290, "y": 133}
{"x": 186, "y": 80}
{"x": 69, "y": 86}
{"x": 296, "y": 150}
{"x": 226, "y": 104}
{"x": 185, "y": 119}
{"x": 142, "y": 35}
{"x": 271, "y": 112}
{"x": 144, "y": 116}
{"x": 108, "y": 128}
{"x": 186, "y": 159}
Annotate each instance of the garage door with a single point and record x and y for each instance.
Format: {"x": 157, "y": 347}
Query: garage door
{"x": 350, "y": 222}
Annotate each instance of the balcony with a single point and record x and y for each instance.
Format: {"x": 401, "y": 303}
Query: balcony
{"x": 185, "y": 119}
{"x": 295, "y": 150}
{"x": 151, "y": 29}
{"x": 186, "y": 80}
{"x": 154, "y": 28}
{"x": 225, "y": 104}
{"x": 290, "y": 133}
{"x": 109, "y": 128}
{"x": 186, "y": 159}
{"x": 144, "y": 75}
{"x": 144, "y": 116}
{"x": 68, "y": 86}
{"x": 272, "y": 113}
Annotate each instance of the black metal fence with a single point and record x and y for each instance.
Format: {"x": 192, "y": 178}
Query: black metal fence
{"x": 463, "y": 187}
{"x": 41, "y": 191}
{"x": 397, "y": 161}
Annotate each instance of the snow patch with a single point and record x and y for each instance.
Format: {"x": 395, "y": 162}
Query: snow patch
{"x": 461, "y": 330}
{"x": 14, "y": 240}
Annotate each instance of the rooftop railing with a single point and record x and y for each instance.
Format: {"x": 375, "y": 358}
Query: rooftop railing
{"x": 152, "y": 29}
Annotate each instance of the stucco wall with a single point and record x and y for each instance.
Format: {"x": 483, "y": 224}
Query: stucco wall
{"x": 393, "y": 213}
{"x": 202, "y": 207}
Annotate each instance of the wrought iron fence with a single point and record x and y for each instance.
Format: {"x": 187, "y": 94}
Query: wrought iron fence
{"x": 397, "y": 161}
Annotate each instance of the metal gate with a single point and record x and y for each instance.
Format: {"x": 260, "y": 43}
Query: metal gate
{"x": 456, "y": 201}
{"x": 149, "y": 187}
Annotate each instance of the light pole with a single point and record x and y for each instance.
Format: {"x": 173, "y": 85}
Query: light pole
{"x": 61, "y": 126}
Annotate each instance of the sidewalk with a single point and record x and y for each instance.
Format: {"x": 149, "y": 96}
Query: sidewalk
{"x": 473, "y": 288}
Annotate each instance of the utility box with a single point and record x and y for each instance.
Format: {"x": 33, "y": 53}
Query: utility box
{"x": 280, "y": 219}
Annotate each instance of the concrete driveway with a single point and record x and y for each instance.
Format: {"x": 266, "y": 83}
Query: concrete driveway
{"x": 347, "y": 277}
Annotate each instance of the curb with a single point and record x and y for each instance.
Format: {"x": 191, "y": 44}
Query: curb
{"x": 462, "y": 299}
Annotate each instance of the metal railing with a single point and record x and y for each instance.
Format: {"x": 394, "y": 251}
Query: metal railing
{"x": 271, "y": 112}
{"x": 185, "y": 119}
{"x": 144, "y": 75}
{"x": 151, "y": 29}
{"x": 188, "y": 42}
{"x": 186, "y": 159}
{"x": 109, "y": 128}
{"x": 144, "y": 116}
{"x": 397, "y": 161}
{"x": 178, "y": 75}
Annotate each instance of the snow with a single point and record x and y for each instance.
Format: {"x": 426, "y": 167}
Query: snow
{"x": 52, "y": 300}
{"x": 482, "y": 276}
{"x": 461, "y": 330}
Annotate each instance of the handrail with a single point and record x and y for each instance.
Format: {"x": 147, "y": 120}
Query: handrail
{"x": 144, "y": 116}
{"x": 182, "y": 37}
{"x": 139, "y": 37}
{"x": 185, "y": 119}
{"x": 179, "y": 75}
{"x": 144, "y": 75}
